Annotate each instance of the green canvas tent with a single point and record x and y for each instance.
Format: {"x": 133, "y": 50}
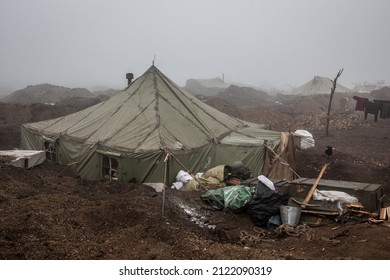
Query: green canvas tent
{"x": 318, "y": 85}
{"x": 129, "y": 136}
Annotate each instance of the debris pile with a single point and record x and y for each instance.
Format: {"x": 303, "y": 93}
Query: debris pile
{"x": 342, "y": 121}
{"x": 279, "y": 120}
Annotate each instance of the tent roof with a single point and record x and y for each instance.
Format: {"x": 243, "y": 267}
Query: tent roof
{"x": 318, "y": 85}
{"x": 152, "y": 113}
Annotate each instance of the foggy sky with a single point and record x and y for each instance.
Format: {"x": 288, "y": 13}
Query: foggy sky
{"x": 280, "y": 43}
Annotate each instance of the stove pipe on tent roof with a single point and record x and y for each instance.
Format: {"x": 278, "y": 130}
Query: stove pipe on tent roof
{"x": 129, "y": 77}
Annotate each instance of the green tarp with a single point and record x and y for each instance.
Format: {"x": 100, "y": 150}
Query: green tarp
{"x": 232, "y": 197}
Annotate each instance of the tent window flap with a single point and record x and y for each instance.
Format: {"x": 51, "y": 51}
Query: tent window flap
{"x": 110, "y": 168}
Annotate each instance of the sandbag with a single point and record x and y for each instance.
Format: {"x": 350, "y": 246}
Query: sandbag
{"x": 215, "y": 172}
{"x": 220, "y": 172}
{"x": 210, "y": 181}
{"x": 191, "y": 185}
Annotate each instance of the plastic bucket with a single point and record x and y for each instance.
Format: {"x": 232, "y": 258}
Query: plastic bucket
{"x": 290, "y": 215}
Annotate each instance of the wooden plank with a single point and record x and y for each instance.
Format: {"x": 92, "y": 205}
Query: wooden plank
{"x": 356, "y": 204}
{"x": 313, "y": 188}
{"x": 361, "y": 212}
{"x": 319, "y": 212}
{"x": 383, "y": 214}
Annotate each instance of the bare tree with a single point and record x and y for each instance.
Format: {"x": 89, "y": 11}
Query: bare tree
{"x": 330, "y": 100}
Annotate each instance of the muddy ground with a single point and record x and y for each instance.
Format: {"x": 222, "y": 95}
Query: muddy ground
{"x": 47, "y": 212}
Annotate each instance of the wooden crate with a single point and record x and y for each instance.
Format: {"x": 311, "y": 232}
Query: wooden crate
{"x": 370, "y": 195}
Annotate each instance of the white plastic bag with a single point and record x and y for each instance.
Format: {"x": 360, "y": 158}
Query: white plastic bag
{"x": 183, "y": 176}
{"x": 267, "y": 182}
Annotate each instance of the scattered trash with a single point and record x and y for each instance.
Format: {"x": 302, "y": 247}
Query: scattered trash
{"x": 274, "y": 222}
{"x": 268, "y": 203}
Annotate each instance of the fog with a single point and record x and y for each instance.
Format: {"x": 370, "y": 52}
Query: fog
{"x": 278, "y": 43}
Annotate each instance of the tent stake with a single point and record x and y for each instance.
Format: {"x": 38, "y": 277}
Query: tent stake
{"x": 165, "y": 182}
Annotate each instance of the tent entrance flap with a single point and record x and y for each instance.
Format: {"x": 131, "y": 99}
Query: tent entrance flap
{"x": 51, "y": 151}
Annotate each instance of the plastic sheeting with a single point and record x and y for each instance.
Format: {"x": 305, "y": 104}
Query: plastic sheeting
{"x": 333, "y": 196}
{"x": 264, "y": 205}
{"x": 267, "y": 182}
{"x": 233, "y": 197}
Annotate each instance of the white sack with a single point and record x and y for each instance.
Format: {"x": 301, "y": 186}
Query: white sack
{"x": 177, "y": 185}
{"x": 266, "y": 182}
{"x": 307, "y": 140}
{"x": 183, "y": 176}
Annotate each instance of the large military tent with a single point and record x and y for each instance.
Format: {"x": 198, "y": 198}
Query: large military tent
{"x": 150, "y": 131}
{"x": 318, "y": 85}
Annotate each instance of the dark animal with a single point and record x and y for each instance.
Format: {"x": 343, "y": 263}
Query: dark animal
{"x": 328, "y": 150}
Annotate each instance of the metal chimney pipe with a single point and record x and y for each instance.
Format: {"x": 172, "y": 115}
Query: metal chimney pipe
{"x": 129, "y": 77}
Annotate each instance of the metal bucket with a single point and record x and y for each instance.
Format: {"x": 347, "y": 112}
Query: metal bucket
{"x": 290, "y": 215}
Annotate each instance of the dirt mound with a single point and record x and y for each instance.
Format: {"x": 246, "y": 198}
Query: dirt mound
{"x": 301, "y": 104}
{"x": 245, "y": 96}
{"x": 205, "y": 87}
{"x": 381, "y": 94}
{"x": 270, "y": 116}
{"x": 105, "y": 94}
{"x": 46, "y": 94}
{"x": 282, "y": 119}
{"x": 47, "y": 212}
{"x": 224, "y": 106}
{"x": 79, "y": 103}
{"x": 12, "y": 116}
{"x": 7, "y": 115}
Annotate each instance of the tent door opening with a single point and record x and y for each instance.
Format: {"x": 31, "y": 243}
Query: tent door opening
{"x": 51, "y": 152}
{"x": 110, "y": 168}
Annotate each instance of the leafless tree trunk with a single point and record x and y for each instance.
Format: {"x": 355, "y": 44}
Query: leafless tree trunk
{"x": 330, "y": 100}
